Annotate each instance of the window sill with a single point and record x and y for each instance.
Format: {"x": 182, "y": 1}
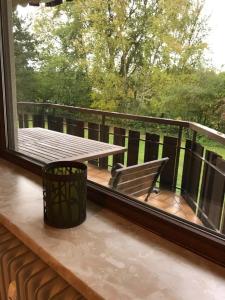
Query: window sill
{"x": 107, "y": 257}
{"x": 197, "y": 239}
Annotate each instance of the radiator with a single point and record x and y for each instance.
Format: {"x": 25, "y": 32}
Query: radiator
{"x": 24, "y": 276}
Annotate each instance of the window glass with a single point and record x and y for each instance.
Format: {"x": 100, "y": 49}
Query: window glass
{"x": 146, "y": 60}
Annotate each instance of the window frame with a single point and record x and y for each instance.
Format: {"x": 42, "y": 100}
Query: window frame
{"x": 8, "y": 74}
{"x": 195, "y": 238}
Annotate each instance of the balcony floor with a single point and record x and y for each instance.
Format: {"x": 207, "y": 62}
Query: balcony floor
{"x": 166, "y": 200}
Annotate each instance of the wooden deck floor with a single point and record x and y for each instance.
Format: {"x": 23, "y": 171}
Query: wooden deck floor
{"x": 165, "y": 200}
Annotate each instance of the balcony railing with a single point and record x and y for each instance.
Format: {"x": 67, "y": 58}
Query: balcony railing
{"x": 195, "y": 171}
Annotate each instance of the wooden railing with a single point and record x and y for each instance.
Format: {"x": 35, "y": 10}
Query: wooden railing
{"x": 197, "y": 172}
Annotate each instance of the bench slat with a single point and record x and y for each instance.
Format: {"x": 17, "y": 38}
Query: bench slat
{"x": 136, "y": 181}
{"x": 139, "y": 173}
{"x": 139, "y": 179}
{"x": 134, "y": 188}
{"x": 143, "y": 166}
{"x": 140, "y": 192}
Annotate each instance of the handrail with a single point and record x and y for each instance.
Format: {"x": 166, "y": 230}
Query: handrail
{"x": 111, "y": 114}
{"x": 196, "y": 127}
{"x": 209, "y": 132}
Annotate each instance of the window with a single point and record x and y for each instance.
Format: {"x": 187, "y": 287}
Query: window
{"x": 50, "y": 78}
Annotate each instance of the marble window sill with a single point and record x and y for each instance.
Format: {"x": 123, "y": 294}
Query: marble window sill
{"x": 107, "y": 257}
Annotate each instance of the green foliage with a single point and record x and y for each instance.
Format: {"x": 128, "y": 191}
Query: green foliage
{"x": 136, "y": 56}
{"x": 198, "y": 96}
{"x": 26, "y": 57}
{"x": 128, "y": 45}
{"x": 58, "y": 74}
{"x": 61, "y": 84}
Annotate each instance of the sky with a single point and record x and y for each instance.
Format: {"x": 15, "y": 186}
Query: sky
{"x": 215, "y": 10}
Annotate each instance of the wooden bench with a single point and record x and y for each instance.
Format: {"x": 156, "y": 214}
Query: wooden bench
{"x": 137, "y": 180}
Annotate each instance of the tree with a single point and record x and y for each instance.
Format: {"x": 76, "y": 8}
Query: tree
{"x": 198, "y": 96}
{"x": 26, "y": 57}
{"x": 130, "y": 41}
{"x": 123, "y": 48}
{"x": 141, "y": 56}
{"x": 62, "y": 72}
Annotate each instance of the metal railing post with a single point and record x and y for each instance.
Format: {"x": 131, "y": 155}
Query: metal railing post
{"x": 179, "y": 141}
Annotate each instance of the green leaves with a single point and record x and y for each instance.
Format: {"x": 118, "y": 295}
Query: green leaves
{"x": 136, "y": 56}
{"x": 26, "y": 58}
{"x": 197, "y": 96}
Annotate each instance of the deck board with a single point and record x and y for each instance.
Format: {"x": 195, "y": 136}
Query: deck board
{"x": 47, "y": 146}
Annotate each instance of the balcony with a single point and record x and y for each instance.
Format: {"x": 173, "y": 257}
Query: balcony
{"x": 192, "y": 184}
